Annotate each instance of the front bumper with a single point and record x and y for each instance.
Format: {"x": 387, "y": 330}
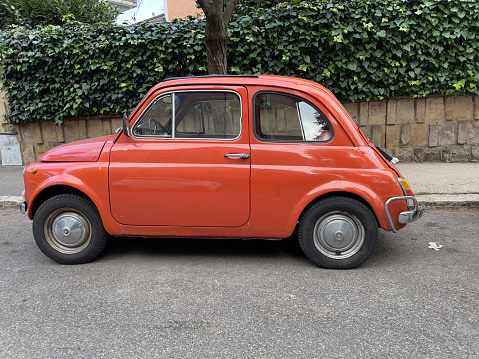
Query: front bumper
{"x": 407, "y": 216}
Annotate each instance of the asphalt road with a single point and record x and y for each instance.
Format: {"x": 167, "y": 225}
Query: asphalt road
{"x": 181, "y": 298}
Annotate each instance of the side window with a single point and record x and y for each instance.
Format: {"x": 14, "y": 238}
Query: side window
{"x": 281, "y": 117}
{"x": 207, "y": 115}
{"x": 156, "y": 120}
{"x": 198, "y": 114}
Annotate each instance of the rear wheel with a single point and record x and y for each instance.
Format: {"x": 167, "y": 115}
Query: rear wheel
{"x": 68, "y": 229}
{"x": 338, "y": 233}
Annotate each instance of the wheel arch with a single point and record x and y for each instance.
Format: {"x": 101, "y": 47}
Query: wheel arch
{"x": 54, "y": 190}
{"x": 340, "y": 194}
{"x": 347, "y": 194}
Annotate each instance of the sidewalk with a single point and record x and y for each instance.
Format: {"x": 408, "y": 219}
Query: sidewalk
{"x": 434, "y": 184}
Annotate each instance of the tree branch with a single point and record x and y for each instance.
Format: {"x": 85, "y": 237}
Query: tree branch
{"x": 229, "y": 10}
{"x": 205, "y": 6}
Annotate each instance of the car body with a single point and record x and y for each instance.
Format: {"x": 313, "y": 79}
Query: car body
{"x": 227, "y": 157}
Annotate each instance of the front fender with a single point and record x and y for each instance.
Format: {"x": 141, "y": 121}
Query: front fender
{"x": 43, "y": 180}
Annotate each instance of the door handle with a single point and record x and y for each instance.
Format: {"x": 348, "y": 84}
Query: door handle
{"x": 239, "y": 155}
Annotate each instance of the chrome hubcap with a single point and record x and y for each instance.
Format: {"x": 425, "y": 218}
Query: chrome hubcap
{"x": 338, "y": 235}
{"x": 67, "y": 231}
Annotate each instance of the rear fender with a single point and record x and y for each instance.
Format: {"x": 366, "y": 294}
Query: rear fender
{"x": 346, "y": 189}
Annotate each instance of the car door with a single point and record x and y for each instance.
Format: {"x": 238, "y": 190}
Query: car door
{"x": 186, "y": 162}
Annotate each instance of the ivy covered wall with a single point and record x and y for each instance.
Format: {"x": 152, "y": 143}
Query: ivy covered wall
{"x": 361, "y": 50}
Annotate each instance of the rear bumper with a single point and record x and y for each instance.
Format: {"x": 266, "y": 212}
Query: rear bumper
{"x": 23, "y": 207}
{"x": 408, "y": 216}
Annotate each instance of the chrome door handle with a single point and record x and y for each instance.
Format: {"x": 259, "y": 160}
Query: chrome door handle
{"x": 240, "y": 155}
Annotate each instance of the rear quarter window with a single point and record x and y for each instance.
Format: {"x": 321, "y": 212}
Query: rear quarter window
{"x": 283, "y": 117}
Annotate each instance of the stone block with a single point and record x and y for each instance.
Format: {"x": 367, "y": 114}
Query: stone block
{"x": 419, "y": 134}
{"x": 367, "y": 131}
{"x": 392, "y": 137}
{"x": 72, "y": 132}
{"x": 49, "y": 132}
{"x": 118, "y": 122}
{"x": 31, "y": 134}
{"x": 460, "y": 153}
{"x": 405, "y": 134}
{"x": 377, "y": 113}
{"x": 476, "y": 107}
{"x": 449, "y": 108}
{"x": 351, "y": 108}
{"x": 433, "y": 135}
{"x": 28, "y": 153}
{"x": 82, "y": 129}
{"x": 446, "y": 154}
{"x": 434, "y": 109}
{"x": 463, "y": 107}
{"x": 405, "y": 111}
{"x": 391, "y": 112}
{"x": 379, "y": 135}
{"x": 418, "y": 154}
{"x": 432, "y": 154}
{"x": 363, "y": 113}
{"x": 95, "y": 128}
{"x": 60, "y": 132}
{"x": 404, "y": 154}
{"x": 106, "y": 126}
{"x": 447, "y": 133}
{"x": 18, "y": 130}
{"x": 420, "y": 110}
{"x": 472, "y": 133}
{"x": 475, "y": 153}
{"x": 39, "y": 151}
{"x": 2, "y": 106}
{"x": 462, "y": 130}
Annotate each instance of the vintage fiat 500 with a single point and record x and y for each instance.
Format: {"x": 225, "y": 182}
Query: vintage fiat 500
{"x": 222, "y": 157}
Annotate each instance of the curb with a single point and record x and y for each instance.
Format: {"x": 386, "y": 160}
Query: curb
{"x": 449, "y": 200}
{"x": 10, "y": 201}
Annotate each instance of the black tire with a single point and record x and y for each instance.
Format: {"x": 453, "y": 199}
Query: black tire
{"x": 338, "y": 233}
{"x": 69, "y": 230}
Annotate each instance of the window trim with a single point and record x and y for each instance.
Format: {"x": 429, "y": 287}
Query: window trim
{"x": 256, "y": 124}
{"x": 173, "y": 122}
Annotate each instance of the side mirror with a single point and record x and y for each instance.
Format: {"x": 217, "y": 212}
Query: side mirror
{"x": 126, "y": 126}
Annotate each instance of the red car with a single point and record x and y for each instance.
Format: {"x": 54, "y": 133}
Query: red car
{"x": 226, "y": 157}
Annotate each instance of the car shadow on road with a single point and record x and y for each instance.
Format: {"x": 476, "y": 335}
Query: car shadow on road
{"x": 202, "y": 247}
{"x": 213, "y": 248}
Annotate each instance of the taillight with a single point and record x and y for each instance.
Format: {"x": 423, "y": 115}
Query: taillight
{"x": 406, "y": 188}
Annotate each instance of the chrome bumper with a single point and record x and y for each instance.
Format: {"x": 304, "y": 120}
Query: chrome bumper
{"x": 407, "y": 216}
{"x": 23, "y": 207}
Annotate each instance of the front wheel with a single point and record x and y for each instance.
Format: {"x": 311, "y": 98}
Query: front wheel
{"x": 68, "y": 229}
{"x": 338, "y": 233}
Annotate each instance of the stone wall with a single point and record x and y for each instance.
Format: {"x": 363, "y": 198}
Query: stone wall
{"x": 37, "y": 138}
{"x": 2, "y": 112}
{"x": 436, "y": 128}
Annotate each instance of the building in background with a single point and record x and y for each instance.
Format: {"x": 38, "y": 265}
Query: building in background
{"x": 180, "y": 8}
{"x": 123, "y": 5}
{"x": 156, "y": 18}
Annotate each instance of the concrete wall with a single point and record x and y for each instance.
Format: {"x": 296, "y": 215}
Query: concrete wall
{"x": 437, "y": 128}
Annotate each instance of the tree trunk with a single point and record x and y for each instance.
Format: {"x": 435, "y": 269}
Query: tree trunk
{"x": 216, "y": 34}
{"x": 216, "y": 38}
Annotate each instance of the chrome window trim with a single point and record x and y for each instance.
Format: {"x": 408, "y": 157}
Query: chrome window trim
{"x": 173, "y": 123}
